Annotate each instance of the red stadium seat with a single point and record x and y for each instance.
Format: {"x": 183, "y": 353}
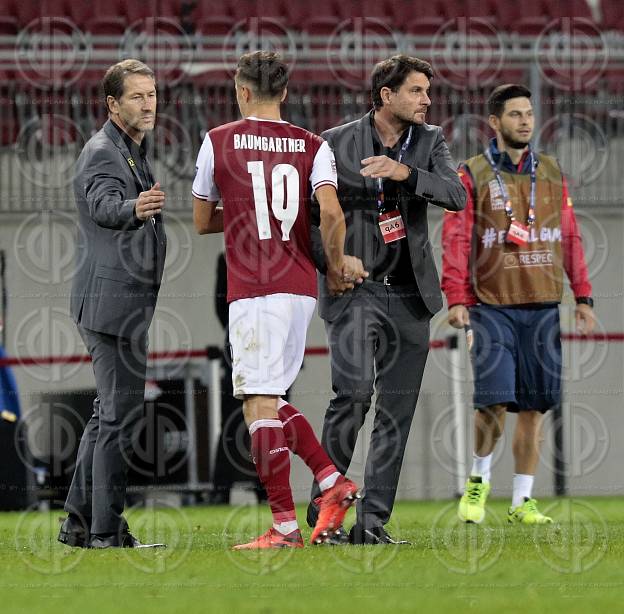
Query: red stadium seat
{"x": 569, "y": 79}
{"x": 270, "y": 23}
{"x": 500, "y": 14}
{"x": 292, "y": 13}
{"x": 205, "y": 9}
{"x": 612, "y": 14}
{"x": 322, "y": 25}
{"x": 108, "y": 8}
{"x": 106, "y": 26}
{"x": 573, "y": 8}
{"x": 334, "y": 8}
{"x": 377, "y": 11}
{"x": 131, "y": 12}
{"x": 296, "y": 14}
{"x": 105, "y": 34}
{"x": 425, "y": 25}
{"x": 320, "y": 9}
{"x": 531, "y": 26}
{"x": 215, "y": 25}
{"x": 9, "y": 26}
{"x": 24, "y": 12}
{"x": 9, "y": 123}
{"x": 537, "y": 15}
{"x": 613, "y": 81}
{"x": 406, "y": 11}
{"x": 54, "y": 8}
{"x": 170, "y": 9}
{"x": 54, "y": 46}
{"x": 239, "y": 9}
{"x": 512, "y": 75}
{"x": 215, "y": 30}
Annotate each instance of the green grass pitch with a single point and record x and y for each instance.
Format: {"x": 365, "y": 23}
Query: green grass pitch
{"x": 575, "y": 566}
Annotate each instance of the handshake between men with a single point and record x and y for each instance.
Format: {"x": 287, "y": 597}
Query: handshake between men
{"x": 352, "y": 273}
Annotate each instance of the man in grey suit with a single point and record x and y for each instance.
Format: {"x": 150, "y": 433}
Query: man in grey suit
{"x": 391, "y": 166}
{"x": 120, "y": 258}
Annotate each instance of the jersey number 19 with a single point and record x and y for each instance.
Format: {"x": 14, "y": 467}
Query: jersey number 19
{"x": 285, "y": 207}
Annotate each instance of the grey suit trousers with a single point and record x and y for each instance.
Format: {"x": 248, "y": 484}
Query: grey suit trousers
{"x": 98, "y": 489}
{"x": 379, "y": 342}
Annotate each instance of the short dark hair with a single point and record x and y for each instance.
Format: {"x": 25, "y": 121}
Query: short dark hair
{"x": 264, "y": 72}
{"x": 113, "y": 81}
{"x": 503, "y": 93}
{"x": 393, "y": 72}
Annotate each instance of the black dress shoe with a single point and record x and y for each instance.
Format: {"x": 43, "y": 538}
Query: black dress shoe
{"x": 74, "y": 532}
{"x": 125, "y": 540}
{"x": 373, "y": 536}
{"x": 312, "y": 515}
{"x": 339, "y": 538}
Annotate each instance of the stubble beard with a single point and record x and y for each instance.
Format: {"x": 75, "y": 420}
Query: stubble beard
{"x": 512, "y": 143}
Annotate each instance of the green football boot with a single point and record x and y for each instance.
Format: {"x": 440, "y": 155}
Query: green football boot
{"x": 527, "y": 513}
{"x": 472, "y": 504}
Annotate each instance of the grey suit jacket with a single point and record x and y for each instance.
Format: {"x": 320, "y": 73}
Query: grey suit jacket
{"x": 438, "y": 184}
{"x": 119, "y": 260}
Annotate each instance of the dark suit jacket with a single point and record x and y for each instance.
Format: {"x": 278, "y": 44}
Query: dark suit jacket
{"x": 438, "y": 184}
{"x": 119, "y": 259}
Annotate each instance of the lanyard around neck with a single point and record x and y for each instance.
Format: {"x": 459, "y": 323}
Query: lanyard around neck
{"x": 503, "y": 187}
{"x": 379, "y": 181}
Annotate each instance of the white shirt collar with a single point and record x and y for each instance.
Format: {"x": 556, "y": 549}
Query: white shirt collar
{"x": 258, "y": 119}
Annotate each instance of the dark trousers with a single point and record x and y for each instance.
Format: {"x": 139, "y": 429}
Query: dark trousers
{"x": 98, "y": 488}
{"x": 379, "y": 342}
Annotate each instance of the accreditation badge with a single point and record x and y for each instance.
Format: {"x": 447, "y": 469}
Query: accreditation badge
{"x": 497, "y": 202}
{"x": 391, "y": 226}
{"x": 517, "y": 234}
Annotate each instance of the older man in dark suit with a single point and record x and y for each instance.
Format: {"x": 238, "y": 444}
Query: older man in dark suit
{"x": 121, "y": 253}
{"x": 391, "y": 166}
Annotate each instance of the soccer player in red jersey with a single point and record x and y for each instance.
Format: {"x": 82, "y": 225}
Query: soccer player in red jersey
{"x": 264, "y": 171}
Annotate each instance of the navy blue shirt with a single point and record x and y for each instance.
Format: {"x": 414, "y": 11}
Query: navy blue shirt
{"x": 504, "y": 163}
{"x": 396, "y": 259}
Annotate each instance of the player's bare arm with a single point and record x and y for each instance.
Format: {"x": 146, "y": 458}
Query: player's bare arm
{"x": 207, "y": 217}
{"x": 333, "y": 232}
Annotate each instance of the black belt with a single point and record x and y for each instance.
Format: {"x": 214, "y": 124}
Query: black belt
{"x": 396, "y": 280}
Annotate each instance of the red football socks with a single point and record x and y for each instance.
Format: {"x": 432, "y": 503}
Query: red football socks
{"x": 271, "y": 456}
{"x": 303, "y": 442}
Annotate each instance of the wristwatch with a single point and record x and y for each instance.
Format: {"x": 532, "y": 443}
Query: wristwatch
{"x": 412, "y": 176}
{"x": 585, "y": 300}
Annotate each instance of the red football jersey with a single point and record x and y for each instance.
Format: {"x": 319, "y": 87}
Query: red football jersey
{"x": 264, "y": 172}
